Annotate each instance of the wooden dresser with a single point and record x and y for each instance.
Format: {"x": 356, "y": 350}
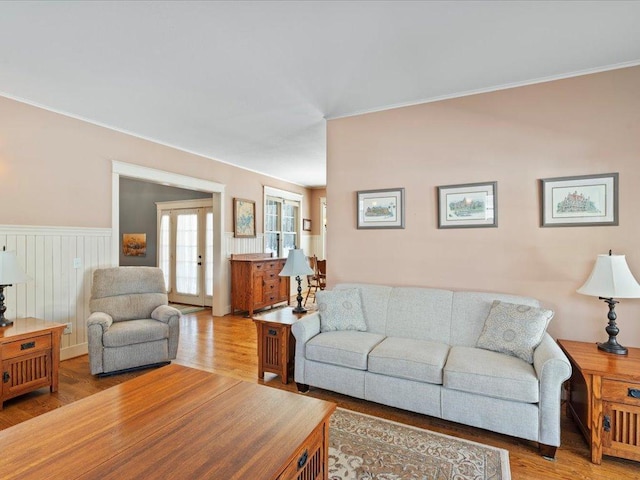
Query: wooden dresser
{"x": 604, "y": 399}
{"x": 29, "y": 356}
{"x": 255, "y": 282}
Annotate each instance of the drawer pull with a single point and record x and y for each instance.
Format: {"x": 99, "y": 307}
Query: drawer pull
{"x": 273, "y": 332}
{"x": 28, "y": 345}
{"x": 303, "y": 459}
{"x": 634, "y": 392}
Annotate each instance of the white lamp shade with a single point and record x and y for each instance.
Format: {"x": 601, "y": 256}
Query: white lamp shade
{"x": 611, "y": 278}
{"x": 296, "y": 264}
{"x": 10, "y": 272}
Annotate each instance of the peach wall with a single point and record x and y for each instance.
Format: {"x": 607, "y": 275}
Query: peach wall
{"x": 316, "y": 195}
{"x": 56, "y": 170}
{"x": 578, "y": 126}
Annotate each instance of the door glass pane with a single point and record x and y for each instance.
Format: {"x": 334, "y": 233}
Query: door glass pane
{"x": 208, "y": 277}
{"x": 187, "y": 253}
{"x": 164, "y": 248}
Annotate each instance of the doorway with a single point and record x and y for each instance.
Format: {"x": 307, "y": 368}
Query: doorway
{"x": 185, "y": 250}
{"x": 220, "y": 267}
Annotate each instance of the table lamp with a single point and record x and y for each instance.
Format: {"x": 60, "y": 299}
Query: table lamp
{"x": 10, "y": 273}
{"x": 296, "y": 266}
{"x": 610, "y": 278}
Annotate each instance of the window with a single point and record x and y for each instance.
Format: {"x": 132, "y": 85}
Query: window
{"x": 281, "y": 222}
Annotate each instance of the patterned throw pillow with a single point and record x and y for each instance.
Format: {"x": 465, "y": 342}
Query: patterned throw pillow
{"x": 341, "y": 310}
{"x": 514, "y": 329}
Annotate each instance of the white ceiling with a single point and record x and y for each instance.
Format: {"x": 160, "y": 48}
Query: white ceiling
{"x": 251, "y": 83}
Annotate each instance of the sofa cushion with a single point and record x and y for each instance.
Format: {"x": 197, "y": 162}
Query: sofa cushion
{"x": 341, "y": 310}
{"x": 493, "y": 374}
{"x": 409, "y": 358}
{"x": 348, "y": 348}
{"x": 514, "y": 329}
{"x": 134, "y": 331}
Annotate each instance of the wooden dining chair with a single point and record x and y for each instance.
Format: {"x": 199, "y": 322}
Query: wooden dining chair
{"x": 318, "y": 281}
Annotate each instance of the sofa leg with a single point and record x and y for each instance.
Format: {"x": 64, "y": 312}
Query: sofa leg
{"x": 302, "y": 388}
{"x": 547, "y": 451}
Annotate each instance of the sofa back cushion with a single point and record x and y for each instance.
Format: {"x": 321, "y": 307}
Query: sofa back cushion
{"x": 375, "y": 303}
{"x": 420, "y": 313}
{"x": 409, "y": 312}
{"x": 127, "y": 293}
{"x": 470, "y": 310}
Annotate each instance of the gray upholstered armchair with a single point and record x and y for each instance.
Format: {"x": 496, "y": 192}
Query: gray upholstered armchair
{"x": 130, "y": 326}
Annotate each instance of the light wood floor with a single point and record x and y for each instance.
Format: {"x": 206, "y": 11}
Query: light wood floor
{"x": 227, "y": 345}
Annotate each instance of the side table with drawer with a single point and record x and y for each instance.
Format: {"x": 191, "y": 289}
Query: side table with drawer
{"x": 29, "y": 356}
{"x": 276, "y": 343}
{"x": 604, "y": 399}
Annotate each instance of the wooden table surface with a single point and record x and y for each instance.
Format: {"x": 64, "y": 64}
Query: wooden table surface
{"x": 175, "y": 422}
{"x": 593, "y": 361}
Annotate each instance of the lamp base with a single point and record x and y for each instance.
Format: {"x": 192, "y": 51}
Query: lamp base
{"x": 611, "y": 347}
{"x": 299, "y": 309}
{"x": 6, "y": 323}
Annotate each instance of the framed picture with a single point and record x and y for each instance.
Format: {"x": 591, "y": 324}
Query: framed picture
{"x": 380, "y": 208}
{"x": 468, "y": 205}
{"x": 306, "y": 224}
{"x": 586, "y": 200}
{"x": 134, "y": 244}
{"x": 244, "y": 218}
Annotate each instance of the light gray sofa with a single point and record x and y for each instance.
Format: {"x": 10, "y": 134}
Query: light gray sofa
{"x": 130, "y": 326}
{"x": 419, "y": 353}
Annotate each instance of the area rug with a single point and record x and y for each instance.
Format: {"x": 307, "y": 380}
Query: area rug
{"x": 362, "y": 447}
{"x": 184, "y": 309}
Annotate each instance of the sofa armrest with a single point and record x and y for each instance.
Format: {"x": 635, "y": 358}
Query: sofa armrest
{"x": 171, "y": 316}
{"x": 97, "y": 324}
{"x": 101, "y": 319}
{"x": 304, "y": 330}
{"x": 553, "y": 368}
{"x": 163, "y": 313}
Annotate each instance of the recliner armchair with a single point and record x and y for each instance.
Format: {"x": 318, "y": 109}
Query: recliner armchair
{"x": 130, "y": 326}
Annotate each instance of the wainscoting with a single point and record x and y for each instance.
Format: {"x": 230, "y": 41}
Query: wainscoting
{"x": 60, "y": 262}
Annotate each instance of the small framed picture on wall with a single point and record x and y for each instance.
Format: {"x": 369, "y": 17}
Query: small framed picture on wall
{"x": 585, "y": 200}
{"x": 244, "y": 218}
{"x": 468, "y": 205}
{"x": 380, "y": 208}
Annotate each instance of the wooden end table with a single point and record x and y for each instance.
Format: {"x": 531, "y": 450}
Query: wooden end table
{"x": 604, "y": 399}
{"x": 29, "y": 356}
{"x": 276, "y": 343}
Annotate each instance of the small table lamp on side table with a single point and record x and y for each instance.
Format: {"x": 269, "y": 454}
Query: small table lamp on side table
{"x": 611, "y": 278}
{"x": 297, "y": 266}
{"x": 10, "y": 274}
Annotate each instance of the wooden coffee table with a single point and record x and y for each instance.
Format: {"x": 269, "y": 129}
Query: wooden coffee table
{"x": 175, "y": 422}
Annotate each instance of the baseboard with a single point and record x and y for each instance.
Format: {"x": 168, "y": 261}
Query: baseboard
{"x": 74, "y": 351}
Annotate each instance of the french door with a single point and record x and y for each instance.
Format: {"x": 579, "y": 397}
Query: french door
{"x": 185, "y": 253}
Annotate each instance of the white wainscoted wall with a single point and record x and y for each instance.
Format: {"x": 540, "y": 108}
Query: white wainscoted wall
{"x": 311, "y": 244}
{"x": 60, "y": 262}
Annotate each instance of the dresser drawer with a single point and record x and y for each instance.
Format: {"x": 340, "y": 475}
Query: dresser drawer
{"x": 22, "y": 347}
{"x": 621, "y": 392}
{"x": 308, "y": 462}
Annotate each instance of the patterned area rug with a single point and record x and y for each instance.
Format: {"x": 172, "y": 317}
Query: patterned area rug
{"x": 362, "y": 447}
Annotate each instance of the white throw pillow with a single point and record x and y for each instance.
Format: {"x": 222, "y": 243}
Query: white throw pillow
{"x": 514, "y": 329}
{"x": 341, "y": 310}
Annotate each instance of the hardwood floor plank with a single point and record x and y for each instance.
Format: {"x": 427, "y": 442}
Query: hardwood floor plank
{"x": 227, "y": 345}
